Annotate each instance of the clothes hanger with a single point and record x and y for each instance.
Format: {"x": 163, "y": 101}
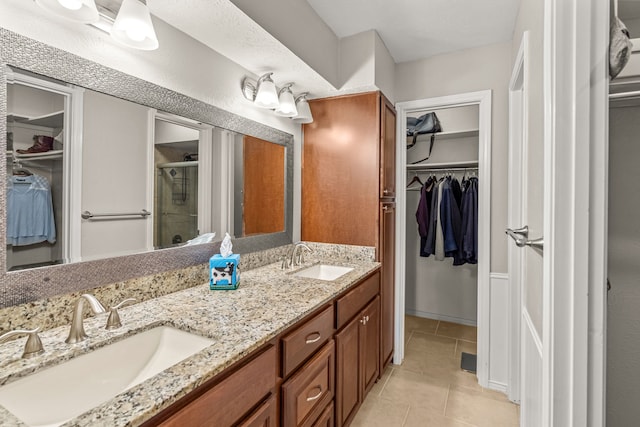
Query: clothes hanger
{"x": 417, "y": 179}
{"x": 19, "y": 170}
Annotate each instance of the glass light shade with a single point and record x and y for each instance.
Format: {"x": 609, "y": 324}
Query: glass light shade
{"x": 82, "y": 11}
{"x": 287, "y": 106}
{"x": 304, "y": 111}
{"x": 133, "y": 26}
{"x": 266, "y": 94}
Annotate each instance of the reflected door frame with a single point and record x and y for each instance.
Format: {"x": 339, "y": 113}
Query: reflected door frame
{"x": 205, "y": 156}
{"x": 72, "y": 159}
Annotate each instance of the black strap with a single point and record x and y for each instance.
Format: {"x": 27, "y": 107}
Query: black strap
{"x": 433, "y": 140}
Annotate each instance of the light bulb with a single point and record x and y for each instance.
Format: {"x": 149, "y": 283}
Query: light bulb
{"x": 71, "y": 4}
{"x": 136, "y": 32}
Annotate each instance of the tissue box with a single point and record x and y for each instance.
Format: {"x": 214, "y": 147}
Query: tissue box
{"x": 223, "y": 272}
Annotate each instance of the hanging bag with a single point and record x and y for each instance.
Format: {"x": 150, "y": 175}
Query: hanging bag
{"x": 427, "y": 123}
{"x": 620, "y": 45}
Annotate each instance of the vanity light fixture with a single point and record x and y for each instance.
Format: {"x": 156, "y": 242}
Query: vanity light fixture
{"x": 304, "y": 111}
{"x": 287, "y": 107}
{"x": 264, "y": 93}
{"x": 82, "y": 11}
{"x": 133, "y": 26}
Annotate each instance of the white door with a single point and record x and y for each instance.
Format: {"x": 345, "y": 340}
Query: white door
{"x": 526, "y": 225}
{"x": 560, "y": 193}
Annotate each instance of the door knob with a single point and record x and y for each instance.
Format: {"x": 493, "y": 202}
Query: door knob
{"x": 520, "y": 235}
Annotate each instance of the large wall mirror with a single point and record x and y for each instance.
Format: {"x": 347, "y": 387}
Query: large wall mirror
{"x": 100, "y": 168}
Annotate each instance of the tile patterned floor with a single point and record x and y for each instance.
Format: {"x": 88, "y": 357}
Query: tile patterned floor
{"x": 429, "y": 389}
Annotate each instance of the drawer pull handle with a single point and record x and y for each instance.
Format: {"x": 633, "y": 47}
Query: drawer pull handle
{"x": 317, "y": 396}
{"x": 312, "y": 340}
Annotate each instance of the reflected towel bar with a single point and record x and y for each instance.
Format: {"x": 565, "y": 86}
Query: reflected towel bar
{"x": 88, "y": 215}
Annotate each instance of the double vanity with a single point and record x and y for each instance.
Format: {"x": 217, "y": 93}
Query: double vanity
{"x": 277, "y": 350}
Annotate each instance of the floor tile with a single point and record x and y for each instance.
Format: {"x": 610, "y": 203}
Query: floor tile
{"x": 431, "y": 344}
{"x": 430, "y": 389}
{"x": 427, "y": 326}
{"x": 378, "y": 412}
{"x": 416, "y": 390}
{"x": 473, "y": 408}
{"x": 454, "y": 330}
{"x": 419, "y": 417}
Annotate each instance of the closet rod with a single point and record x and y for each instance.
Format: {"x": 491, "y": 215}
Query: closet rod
{"x": 622, "y": 95}
{"x": 445, "y": 169}
{"x": 444, "y": 166}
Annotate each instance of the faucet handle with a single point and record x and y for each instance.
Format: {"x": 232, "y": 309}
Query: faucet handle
{"x": 33, "y": 346}
{"x": 113, "y": 322}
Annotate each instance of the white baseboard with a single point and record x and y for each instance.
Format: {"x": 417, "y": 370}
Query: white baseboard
{"x": 434, "y": 316}
{"x": 497, "y": 386}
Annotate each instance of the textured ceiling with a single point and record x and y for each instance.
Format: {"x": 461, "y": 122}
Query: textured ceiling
{"x": 416, "y": 29}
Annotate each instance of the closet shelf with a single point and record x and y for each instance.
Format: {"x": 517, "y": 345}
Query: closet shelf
{"x": 447, "y": 135}
{"x": 51, "y": 120}
{"x": 445, "y": 165}
{"x": 49, "y": 155}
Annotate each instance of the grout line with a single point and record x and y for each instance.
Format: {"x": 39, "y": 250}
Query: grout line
{"x": 406, "y": 415}
{"x": 446, "y": 401}
{"x": 437, "y": 327}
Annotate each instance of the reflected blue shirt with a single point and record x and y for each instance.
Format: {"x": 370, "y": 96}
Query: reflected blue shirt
{"x": 29, "y": 211}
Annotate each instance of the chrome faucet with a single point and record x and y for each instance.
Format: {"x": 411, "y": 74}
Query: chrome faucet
{"x": 76, "y": 332}
{"x": 32, "y": 347}
{"x": 295, "y": 256}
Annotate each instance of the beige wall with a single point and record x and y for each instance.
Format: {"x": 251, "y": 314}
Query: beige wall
{"x": 471, "y": 70}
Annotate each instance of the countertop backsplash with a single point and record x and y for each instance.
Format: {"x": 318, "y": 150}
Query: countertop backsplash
{"x": 56, "y": 311}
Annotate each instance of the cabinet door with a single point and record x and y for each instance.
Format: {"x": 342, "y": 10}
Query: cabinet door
{"x": 387, "y": 285}
{"x": 370, "y": 345}
{"x": 341, "y": 170}
{"x": 265, "y": 416}
{"x": 347, "y": 372}
{"x": 387, "y": 148}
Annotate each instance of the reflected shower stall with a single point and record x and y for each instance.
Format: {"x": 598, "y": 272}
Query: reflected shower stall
{"x": 177, "y": 203}
{"x": 176, "y": 181}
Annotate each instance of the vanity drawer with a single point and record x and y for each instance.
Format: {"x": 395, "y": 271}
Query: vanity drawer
{"x": 326, "y": 418}
{"x": 310, "y": 390}
{"x": 298, "y": 345}
{"x": 351, "y": 304}
{"x": 230, "y": 400}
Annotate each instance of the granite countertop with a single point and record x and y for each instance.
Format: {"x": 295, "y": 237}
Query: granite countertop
{"x": 267, "y": 301}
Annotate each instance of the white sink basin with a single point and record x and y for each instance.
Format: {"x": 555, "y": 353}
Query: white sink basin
{"x": 323, "y": 272}
{"x": 55, "y": 395}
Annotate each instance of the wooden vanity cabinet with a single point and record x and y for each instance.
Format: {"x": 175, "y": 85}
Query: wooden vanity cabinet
{"x": 245, "y": 397}
{"x": 357, "y": 347}
{"x": 348, "y": 180}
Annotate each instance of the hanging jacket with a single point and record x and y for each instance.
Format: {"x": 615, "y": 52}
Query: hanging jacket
{"x": 450, "y": 221}
{"x": 422, "y": 214}
{"x": 430, "y": 244}
{"x": 469, "y": 248}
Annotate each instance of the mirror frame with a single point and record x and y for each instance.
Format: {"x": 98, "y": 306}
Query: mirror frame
{"x": 18, "y": 287}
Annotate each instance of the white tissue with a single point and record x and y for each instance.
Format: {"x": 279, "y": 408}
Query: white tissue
{"x": 203, "y": 238}
{"x": 226, "y": 246}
